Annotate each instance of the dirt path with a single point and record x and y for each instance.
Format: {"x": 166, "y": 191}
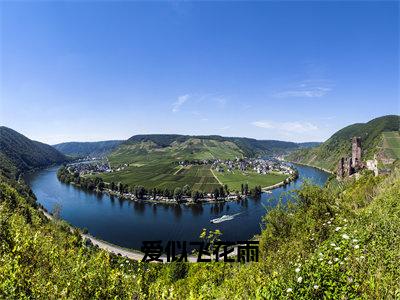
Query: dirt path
{"x": 219, "y": 181}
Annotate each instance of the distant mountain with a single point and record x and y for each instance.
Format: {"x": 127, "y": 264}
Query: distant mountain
{"x": 18, "y": 153}
{"x": 249, "y": 146}
{"x": 82, "y": 149}
{"x": 338, "y": 145}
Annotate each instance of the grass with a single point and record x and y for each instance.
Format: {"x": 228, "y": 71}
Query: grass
{"x": 235, "y": 179}
{"x": 165, "y": 175}
{"x": 391, "y": 144}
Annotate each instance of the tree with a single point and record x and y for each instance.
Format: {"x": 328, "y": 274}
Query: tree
{"x": 242, "y": 189}
{"x": 112, "y": 186}
{"x": 178, "y": 193}
{"x": 246, "y": 188}
{"x": 221, "y": 192}
{"x": 216, "y": 193}
{"x": 195, "y": 195}
{"x": 100, "y": 186}
{"x": 226, "y": 189}
{"x": 140, "y": 192}
{"x": 154, "y": 193}
{"x": 186, "y": 190}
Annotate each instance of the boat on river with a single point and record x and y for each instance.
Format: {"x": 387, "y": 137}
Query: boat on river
{"x": 224, "y": 218}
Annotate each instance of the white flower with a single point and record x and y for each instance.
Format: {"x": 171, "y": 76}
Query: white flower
{"x": 329, "y": 262}
{"x": 329, "y": 222}
{"x": 341, "y": 263}
{"x": 355, "y": 240}
{"x": 323, "y": 224}
{"x": 337, "y": 248}
{"x": 337, "y": 228}
{"x": 320, "y": 254}
{"x": 333, "y": 244}
{"x": 289, "y": 290}
{"x": 320, "y": 259}
{"x": 331, "y": 219}
{"x": 346, "y": 258}
{"x": 356, "y": 246}
{"x": 300, "y": 279}
{"x": 362, "y": 257}
{"x": 316, "y": 287}
{"x": 336, "y": 259}
{"x": 297, "y": 270}
{"x": 345, "y": 236}
{"x": 345, "y": 220}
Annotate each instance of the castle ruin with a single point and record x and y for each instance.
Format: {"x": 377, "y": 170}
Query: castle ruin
{"x": 349, "y": 165}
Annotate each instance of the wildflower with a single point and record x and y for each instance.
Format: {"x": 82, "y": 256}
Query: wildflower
{"x": 336, "y": 259}
{"x": 329, "y": 262}
{"x": 320, "y": 259}
{"x": 320, "y": 254}
{"x": 356, "y": 246}
{"x": 289, "y": 290}
{"x": 331, "y": 219}
{"x": 333, "y": 244}
{"x": 297, "y": 270}
{"x": 337, "y": 248}
{"x": 323, "y": 224}
{"x": 341, "y": 263}
{"x": 329, "y": 222}
{"x": 355, "y": 240}
{"x": 337, "y": 228}
{"x": 346, "y": 258}
{"x": 316, "y": 287}
{"x": 362, "y": 257}
{"x": 300, "y": 279}
{"x": 345, "y": 236}
{"x": 344, "y": 220}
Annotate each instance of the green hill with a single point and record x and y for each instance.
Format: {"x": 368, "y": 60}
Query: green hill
{"x": 249, "y": 147}
{"x": 83, "y": 149}
{"x": 338, "y": 145}
{"x": 19, "y": 154}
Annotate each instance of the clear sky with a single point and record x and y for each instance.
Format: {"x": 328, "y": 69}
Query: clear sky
{"x": 299, "y": 71}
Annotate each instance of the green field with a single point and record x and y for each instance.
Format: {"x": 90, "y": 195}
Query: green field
{"x": 391, "y": 144}
{"x": 165, "y": 175}
{"x": 235, "y": 179}
{"x": 153, "y": 166}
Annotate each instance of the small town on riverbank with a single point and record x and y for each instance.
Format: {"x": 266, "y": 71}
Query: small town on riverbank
{"x": 83, "y": 173}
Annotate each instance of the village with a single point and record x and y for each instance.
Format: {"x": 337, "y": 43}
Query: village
{"x": 258, "y": 165}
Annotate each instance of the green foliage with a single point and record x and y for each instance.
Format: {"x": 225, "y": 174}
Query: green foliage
{"x": 83, "y": 149}
{"x": 18, "y": 153}
{"x": 338, "y": 145}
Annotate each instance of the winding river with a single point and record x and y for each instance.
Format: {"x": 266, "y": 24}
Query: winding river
{"x": 127, "y": 223}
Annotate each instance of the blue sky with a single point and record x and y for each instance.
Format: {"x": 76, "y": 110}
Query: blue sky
{"x": 299, "y": 71}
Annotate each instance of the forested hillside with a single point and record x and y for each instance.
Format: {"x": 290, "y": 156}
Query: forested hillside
{"x": 338, "y": 145}
{"x": 249, "y": 146}
{"x": 83, "y": 149}
{"x": 18, "y": 153}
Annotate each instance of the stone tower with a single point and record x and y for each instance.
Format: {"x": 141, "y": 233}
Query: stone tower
{"x": 356, "y": 152}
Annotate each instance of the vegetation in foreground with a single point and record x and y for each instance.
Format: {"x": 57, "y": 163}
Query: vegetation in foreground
{"x": 340, "y": 241}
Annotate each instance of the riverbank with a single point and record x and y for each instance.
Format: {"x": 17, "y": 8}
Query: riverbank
{"x": 130, "y": 253}
{"x": 312, "y": 166}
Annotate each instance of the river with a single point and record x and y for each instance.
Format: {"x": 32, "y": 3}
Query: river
{"x": 127, "y": 223}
